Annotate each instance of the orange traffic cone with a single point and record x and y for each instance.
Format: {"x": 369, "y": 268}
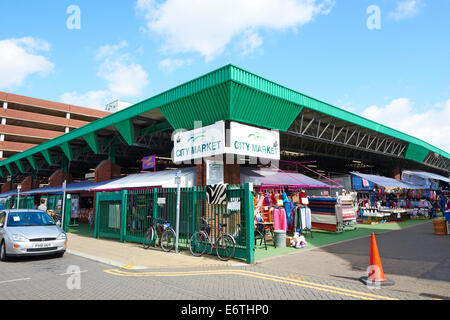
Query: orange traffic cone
{"x": 375, "y": 270}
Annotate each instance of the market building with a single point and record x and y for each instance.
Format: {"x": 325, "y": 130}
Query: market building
{"x": 229, "y": 127}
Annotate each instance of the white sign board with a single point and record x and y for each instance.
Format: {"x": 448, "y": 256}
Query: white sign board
{"x": 254, "y": 142}
{"x": 199, "y": 143}
{"x": 214, "y": 172}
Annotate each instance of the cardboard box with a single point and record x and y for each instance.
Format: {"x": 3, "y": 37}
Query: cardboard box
{"x": 288, "y": 241}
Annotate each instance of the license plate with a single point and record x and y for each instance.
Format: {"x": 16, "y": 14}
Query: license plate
{"x": 42, "y": 245}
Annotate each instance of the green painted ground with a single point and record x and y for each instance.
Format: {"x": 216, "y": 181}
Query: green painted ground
{"x": 321, "y": 238}
{"x": 83, "y": 230}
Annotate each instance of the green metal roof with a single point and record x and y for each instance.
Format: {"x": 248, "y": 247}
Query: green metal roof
{"x": 228, "y": 93}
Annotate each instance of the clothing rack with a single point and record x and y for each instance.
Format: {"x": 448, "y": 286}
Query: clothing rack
{"x": 297, "y": 210}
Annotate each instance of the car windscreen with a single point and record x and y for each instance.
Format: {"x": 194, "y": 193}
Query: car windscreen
{"x": 29, "y": 218}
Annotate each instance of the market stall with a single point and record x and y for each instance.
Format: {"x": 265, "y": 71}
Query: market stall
{"x": 282, "y": 202}
{"x": 383, "y": 199}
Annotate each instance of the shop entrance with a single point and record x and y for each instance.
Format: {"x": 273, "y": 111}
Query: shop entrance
{"x": 108, "y": 213}
{"x": 81, "y": 218}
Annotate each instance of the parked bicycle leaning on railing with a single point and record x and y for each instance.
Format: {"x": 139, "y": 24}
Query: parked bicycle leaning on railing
{"x": 161, "y": 230}
{"x": 224, "y": 243}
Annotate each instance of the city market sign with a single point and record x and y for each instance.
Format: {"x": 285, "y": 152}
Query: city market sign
{"x": 254, "y": 142}
{"x": 199, "y": 143}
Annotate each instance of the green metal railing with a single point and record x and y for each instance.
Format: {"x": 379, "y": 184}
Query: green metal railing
{"x": 124, "y": 215}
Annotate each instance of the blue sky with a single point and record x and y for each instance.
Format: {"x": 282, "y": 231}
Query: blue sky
{"x": 398, "y": 74}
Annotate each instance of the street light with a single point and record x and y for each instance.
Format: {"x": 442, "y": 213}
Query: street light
{"x": 19, "y": 187}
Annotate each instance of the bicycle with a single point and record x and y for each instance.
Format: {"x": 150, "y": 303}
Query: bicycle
{"x": 167, "y": 234}
{"x": 224, "y": 243}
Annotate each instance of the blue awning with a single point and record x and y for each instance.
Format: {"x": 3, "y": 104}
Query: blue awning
{"x": 70, "y": 188}
{"x": 386, "y": 182}
{"x": 409, "y": 175}
{"x": 8, "y": 194}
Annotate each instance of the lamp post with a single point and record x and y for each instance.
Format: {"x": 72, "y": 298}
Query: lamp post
{"x": 63, "y": 205}
{"x": 19, "y": 187}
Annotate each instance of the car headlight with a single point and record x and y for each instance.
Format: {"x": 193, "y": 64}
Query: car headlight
{"x": 19, "y": 238}
{"x": 62, "y": 236}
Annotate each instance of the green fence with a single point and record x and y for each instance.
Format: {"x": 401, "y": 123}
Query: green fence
{"x": 125, "y": 215}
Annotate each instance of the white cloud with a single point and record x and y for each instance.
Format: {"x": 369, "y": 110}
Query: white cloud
{"x": 124, "y": 78}
{"x": 405, "y": 10}
{"x": 252, "y": 40}
{"x": 20, "y": 58}
{"x": 170, "y": 65}
{"x": 110, "y": 50}
{"x": 208, "y": 27}
{"x": 431, "y": 126}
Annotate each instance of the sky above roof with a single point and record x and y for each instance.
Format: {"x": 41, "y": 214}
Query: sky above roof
{"x": 387, "y": 60}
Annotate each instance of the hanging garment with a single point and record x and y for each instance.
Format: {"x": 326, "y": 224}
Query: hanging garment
{"x": 288, "y": 205}
{"x": 308, "y": 218}
{"x": 267, "y": 199}
{"x": 279, "y": 219}
{"x": 216, "y": 194}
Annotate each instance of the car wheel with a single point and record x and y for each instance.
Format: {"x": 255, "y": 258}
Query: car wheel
{"x": 60, "y": 254}
{"x": 3, "y": 256}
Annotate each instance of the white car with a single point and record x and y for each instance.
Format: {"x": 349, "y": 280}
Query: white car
{"x": 30, "y": 233}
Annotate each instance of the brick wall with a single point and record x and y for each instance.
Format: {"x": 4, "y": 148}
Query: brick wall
{"x": 8, "y": 186}
{"x": 58, "y": 177}
{"x": 107, "y": 170}
{"x": 232, "y": 174}
{"x": 29, "y": 184}
{"x": 396, "y": 173}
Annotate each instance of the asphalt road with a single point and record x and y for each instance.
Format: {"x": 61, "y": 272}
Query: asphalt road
{"x": 76, "y": 278}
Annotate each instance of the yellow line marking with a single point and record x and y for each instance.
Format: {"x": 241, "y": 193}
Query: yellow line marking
{"x": 128, "y": 266}
{"x": 299, "y": 282}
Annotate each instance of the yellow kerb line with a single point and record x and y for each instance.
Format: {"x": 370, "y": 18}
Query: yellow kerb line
{"x": 321, "y": 287}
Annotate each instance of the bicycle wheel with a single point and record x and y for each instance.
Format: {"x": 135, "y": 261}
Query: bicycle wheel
{"x": 149, "y": 237}
{"x": 198, "y": 244}
{"x": 225, "y": 247}
{"x": 168, "y": 240}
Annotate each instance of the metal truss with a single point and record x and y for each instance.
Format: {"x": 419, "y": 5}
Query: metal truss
{"x": 330, "y": 130}
{"x": 437, "y": 161}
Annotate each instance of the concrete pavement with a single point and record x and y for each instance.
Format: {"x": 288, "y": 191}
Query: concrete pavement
{"x": 134, "y": 256}
{"x": 415, "y": 258}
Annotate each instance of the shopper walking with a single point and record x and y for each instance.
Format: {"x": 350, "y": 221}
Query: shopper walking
{"x": 443, "y": 203}
{"x": 42, "y": 207}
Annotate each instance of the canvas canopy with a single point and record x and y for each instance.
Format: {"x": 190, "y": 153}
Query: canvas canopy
{"x": 279, "y": 177}
{"x": 164, "y": 179}
{"x": 387, "y": 182}
{"x": 9, "y": 194}
{"x": 70, "y": 188}
{"x": 421, "y": 177}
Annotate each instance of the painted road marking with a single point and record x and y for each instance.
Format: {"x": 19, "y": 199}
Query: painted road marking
{"x": 15, "y": 280}
{"x": 128, "y": 267}
{"x": 70, "y": 273}
{"x": 286, "y": 280}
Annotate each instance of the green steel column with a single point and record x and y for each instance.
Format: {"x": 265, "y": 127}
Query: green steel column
{"x": 97, "y": 214}
{"x": 64, "y": 163}
{"x": 155, "y": 203}
{"x": 67, "y": 209}
{"x": 194, "y": 210}
{"x": 249, "y": 225}
{"x": 112, "y": 153}
{"x": 123, "y": 216}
